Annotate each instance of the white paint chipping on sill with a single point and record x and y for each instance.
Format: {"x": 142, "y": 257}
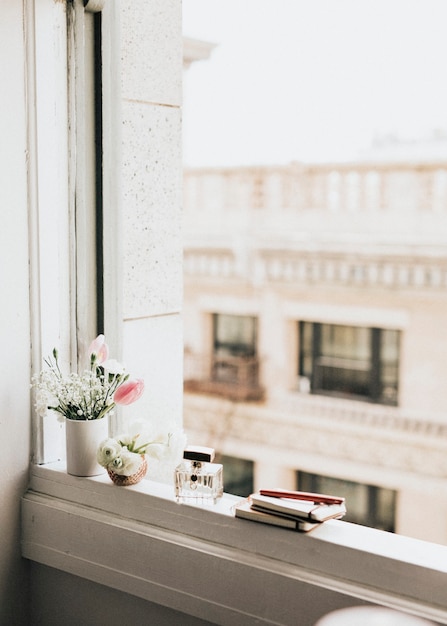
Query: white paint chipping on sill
{"x": 159, "y": 543}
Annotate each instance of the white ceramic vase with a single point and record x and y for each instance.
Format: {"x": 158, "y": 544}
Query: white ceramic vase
{"x": 82, "y": 441}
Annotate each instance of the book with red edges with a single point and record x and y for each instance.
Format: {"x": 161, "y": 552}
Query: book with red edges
{"x": 245, "y": 511}
{"x": 297, "y": 509}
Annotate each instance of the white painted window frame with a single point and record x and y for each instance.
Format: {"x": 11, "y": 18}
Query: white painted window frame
{"x": 203, "y": 561}
{"x": 206, "y": 556}
{"x": 83, "y": 185}
{"x": 62, "y": 188}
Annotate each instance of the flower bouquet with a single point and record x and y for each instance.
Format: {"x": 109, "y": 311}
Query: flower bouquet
{"x": 125, "y": 456}
{"x": 83, "y": 400}
{"x": 124, "y": 459}
{"x": 89, "y": 395}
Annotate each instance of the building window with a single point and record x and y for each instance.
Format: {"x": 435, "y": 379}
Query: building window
{"x": 231, "y": 368}
{"x": 234, "y": 335}
{"x": 350, "y": 361}
{"x": 238, "y": 475}
{"x": 234, "y": 358}
{"x": 366, "y": 504}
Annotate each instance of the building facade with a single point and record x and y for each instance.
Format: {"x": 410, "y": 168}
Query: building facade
{"x": 315, "y": 338}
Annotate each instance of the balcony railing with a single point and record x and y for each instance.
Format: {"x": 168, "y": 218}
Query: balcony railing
{"x": 339, "y": 187}
{"x": 403, "y": 204}
{"x": 235, "y": 378}
{"x": 417, "y": 269}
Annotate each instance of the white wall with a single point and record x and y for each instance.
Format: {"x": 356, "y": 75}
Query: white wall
{"x": 151, "y": 123}
{"x": 99, "y": 604}
{"x": 14, "y": 315}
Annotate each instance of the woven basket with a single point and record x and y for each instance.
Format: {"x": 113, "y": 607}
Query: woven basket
{"x": 125, "y": 481}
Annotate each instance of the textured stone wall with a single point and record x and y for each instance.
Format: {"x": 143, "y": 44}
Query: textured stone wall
{"x": 151, "y": 195}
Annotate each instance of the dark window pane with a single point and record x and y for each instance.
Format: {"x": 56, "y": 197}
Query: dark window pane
{"x": 385, "y": 509}
{"x": 237, "y": 474}
{"x": 341, "y": 378}
{"x": 235, "y": 335}
{"x": 366, "y": 504}
{"x": 350, "y": 361}
{"x": 389, "y": 355}
{"x": 346, "y": 342}
{"x": 345, "y": 360}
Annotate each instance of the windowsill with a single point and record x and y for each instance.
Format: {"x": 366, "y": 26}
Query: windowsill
{"x": 139, "y": 540}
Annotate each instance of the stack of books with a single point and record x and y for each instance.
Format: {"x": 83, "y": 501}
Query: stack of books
{"x": 297, "y": 510}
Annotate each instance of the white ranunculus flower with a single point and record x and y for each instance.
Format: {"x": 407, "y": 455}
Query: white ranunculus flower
{"x": 163, "y": 468}
{"x": 116, "y": 464}
{"x": 125, "y": 440}
{"x": 127, "y": 463}
{"x": 156, "y": 450}
{"x": 108, "y": 450}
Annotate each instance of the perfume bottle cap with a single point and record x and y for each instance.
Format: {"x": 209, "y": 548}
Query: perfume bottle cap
{"x": 199, "y": 453}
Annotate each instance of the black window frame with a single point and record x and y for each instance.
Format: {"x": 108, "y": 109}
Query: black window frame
{"x": 310, "y": 353}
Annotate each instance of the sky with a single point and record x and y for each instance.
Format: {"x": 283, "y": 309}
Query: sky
{"x": 311, "y": 80}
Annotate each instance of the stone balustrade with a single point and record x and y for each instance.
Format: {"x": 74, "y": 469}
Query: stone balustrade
{"x": 361, "y": 224}
{"x": 340, "y": 187}
{"x": 416, "y": 269}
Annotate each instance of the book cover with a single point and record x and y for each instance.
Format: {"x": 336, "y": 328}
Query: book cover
{"x": 297, "y": 509}
{"x": 245, "y": 511}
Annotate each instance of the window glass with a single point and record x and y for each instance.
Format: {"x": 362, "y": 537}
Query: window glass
{"x": 232, "y": 370}
{"x": 234, "y": 335}
{"x": 344, "y": 361}
{"x": 350, "y": 361}
{"x": 346, "y": 342}
{"x": 238, "y": 475}
{"x": 306, "y": 349}
{"x": 366, "y": 504}
{"x": 389, "y": 354}
{"x": 385, "y": 503}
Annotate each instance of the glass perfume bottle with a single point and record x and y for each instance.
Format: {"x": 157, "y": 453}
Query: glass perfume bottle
{"x": 197, "y": 478}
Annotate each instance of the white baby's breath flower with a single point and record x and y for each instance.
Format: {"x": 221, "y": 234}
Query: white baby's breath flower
{"x": 85, "y": 395}
{"x": 42, "y": 400}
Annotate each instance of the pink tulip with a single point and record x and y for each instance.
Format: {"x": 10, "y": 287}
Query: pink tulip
{"x": 100, "y": 349}
{"x": 129, "y": 391}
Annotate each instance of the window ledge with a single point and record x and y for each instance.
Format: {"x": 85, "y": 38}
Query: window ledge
{"x": 202, "y": 561}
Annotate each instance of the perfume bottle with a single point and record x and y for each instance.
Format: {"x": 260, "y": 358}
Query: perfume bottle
{"x": 197, "y": 478}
